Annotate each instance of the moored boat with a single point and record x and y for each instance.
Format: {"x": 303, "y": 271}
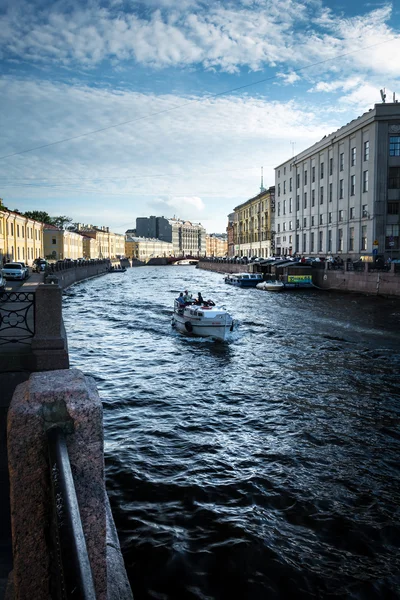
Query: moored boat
{"x": 204, "y": 320}
{"x": 244, "y": 279}
{"x": 271, "y": 286}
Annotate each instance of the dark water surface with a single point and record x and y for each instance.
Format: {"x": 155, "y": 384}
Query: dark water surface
{"x": 266, "y": 467}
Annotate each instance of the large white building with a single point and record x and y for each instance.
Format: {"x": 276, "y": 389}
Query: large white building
{"x": 342, "y": 195}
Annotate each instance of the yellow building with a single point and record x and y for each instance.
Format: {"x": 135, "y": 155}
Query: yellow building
{"x": 61, "y": 243}
{"x": 216, "y": 244}
{"x": 252, "y": 225}
{"x": 145, "y": 248}
{"x": 20, "y": 238}
{"x": 89, "y": 246}
{"x": 108, "y": 244}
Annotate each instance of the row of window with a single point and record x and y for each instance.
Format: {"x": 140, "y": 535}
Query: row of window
{"x": 341, "y": 190}
{"x": 329, "y": 245}
{"x": 340, "y": 215}
{"x": 21, "y": 231}
{"x": 353, "y": 162}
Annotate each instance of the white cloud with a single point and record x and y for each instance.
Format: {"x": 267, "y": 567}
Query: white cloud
{"x": 197, "y": 162}
{"x": 221, "y": 35}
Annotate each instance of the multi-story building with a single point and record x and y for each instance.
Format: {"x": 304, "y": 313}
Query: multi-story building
{"x": 342, "y": 195}
{"x": 216, "y": 244}
{"x": 109, "y": 244}
{"x": 90, "y": 249}
{"x": 20, "y": 238}
{"x": 145, "y": 248}
{"x": 230, "y": 233}
{"x": 154, "y": 227}
{"x": 61, "y": 243}
{"x": 252, "y": 223}
{"x": 187, "y": 238}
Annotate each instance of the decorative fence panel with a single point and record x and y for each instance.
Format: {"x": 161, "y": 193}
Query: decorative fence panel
{"x": 17, "y": 318}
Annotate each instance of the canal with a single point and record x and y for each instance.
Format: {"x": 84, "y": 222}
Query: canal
{"x": 262, "y": 468}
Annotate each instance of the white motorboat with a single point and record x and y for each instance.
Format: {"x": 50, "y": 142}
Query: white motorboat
{"x": 202, "y": 320}
{"x": 271, "y": 286}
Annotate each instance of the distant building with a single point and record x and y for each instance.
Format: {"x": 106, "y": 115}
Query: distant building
{"x": 216, "y": 244}
{"x": 187, "y": 238}
{"x": 342, "y": 195}
{"x": 252, "y": 225}
{"x": 154, "y": 227}
{"x": 230, "y": 233}
{"x": 61, "y": 243}
{"x": 145, "y": 248}
{"x": 20, "y": 238}
{"x": 108, "y": 244}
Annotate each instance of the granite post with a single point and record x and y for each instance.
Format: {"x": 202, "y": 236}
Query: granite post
{"x": 70, "y": 400}
{"x": 49, "y": 344}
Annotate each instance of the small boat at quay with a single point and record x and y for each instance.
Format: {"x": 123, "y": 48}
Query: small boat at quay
{"x": 115, "y": 270}
{"x": 244, "y": 279}
{"x": 205, "y": 320}
{"x": 271, "y": 286}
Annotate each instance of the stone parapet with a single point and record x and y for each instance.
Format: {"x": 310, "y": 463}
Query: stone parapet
{"x": 70, "y": 400}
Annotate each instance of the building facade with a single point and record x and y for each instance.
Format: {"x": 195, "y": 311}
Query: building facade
{"x": 61, "y": 243}
{"x": 144, "y": 248}
{"x": 216, "y": 244}
{"x": 108, "y": 244}
{"x": 20, "y": 238}
{"x": 188, "y": 239}
{"x": 252, "y": 226}
{"x": 230, "y": 231}
{"x": 154, "y": 227}
{"x": 341, "y": 196}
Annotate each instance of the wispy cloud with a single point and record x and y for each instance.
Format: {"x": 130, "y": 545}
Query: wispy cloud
{"x": 226, "y": 36}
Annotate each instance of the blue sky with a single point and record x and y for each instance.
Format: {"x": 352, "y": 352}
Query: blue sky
{"x": 157, "y": 76}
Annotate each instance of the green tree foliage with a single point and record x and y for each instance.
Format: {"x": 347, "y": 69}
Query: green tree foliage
{"x": 61, "y": 221}
{"x": 39, "y": 215}
{"x": 44, "y": 217}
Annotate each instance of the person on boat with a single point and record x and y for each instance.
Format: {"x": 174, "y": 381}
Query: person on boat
{"x": 199, "y": 299}
{"x": 180, "y": 299}
{"x": 187, "y": 297}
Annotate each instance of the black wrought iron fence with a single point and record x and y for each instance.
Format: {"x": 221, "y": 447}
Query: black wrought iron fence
{"x": 17, "y": 318}
{"x": 72, "y": 572}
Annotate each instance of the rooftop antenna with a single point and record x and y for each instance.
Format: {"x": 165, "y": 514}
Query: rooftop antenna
{"x": 262, "y": 188}
{"x": 383, "y": 95}
{"x": 394, "y": 98}
{"x": 293, "y": 145}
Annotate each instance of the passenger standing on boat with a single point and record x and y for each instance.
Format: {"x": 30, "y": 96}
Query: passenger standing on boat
{"x": 199, "y": 299}
{"x": 180, "y": 299}
{"x": 187, "y": 298}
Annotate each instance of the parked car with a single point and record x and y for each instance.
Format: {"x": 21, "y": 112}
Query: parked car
{"x": 25, "y": 267}
{"x": 14, "y": 271}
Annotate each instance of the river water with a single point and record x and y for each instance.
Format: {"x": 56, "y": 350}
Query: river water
{"x": 266, "y": 467}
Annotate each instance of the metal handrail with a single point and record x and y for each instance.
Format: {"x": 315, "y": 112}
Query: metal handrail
{"x": 75, "y": 579}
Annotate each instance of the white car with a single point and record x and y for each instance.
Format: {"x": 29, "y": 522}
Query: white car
{"x": 13, "y": 271}
{"x": 24, "y": 266}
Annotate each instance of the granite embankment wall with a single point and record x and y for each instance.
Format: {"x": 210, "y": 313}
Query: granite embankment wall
{"x": 67, "y": 277}
{"x": 222, "y": 267}
{"x": 379, "y": 283}
{"x": 37, "y": 377}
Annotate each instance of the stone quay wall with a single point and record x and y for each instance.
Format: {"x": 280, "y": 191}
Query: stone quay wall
{"x": 378, "y": 283}
{"x": 222, "y": 267}
{"x": 69, "y": 276}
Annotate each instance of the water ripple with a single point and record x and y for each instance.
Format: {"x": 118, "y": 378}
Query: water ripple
{"x": 266, "y": 467}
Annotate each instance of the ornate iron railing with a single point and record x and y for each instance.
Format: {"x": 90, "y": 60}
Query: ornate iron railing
{"x": 17, "y": 317}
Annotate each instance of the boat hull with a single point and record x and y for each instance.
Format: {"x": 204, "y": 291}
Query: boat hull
{"x": 217, "y": 327}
